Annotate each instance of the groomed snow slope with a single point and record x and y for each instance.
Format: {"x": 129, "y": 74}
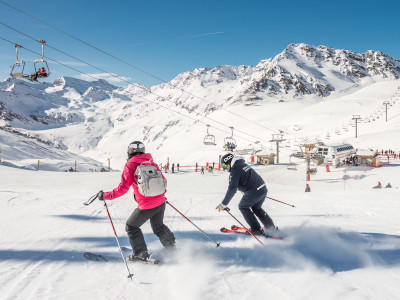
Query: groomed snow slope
{"x": 342, "y": 239}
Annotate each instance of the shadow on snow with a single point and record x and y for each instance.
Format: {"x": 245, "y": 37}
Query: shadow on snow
{"x": 303, "y": 248}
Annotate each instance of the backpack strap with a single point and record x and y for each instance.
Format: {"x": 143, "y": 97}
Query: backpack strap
{"x": 147, "y": 161}
{"x": 144, "y": 162}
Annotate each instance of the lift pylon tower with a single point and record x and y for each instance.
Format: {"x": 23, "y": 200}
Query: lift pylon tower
{"x": 386, "y": 103}
{"x": 277, "y": 138}
{"x": 356, "y": 118}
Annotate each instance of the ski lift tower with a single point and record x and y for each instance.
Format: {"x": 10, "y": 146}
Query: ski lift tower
{"x": 356, "y": 118}
{"x": 277, "y": 138}
{"x": 386, "y": 103}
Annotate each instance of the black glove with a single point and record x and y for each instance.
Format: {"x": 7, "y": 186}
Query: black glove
{"x": 100, "y": 195}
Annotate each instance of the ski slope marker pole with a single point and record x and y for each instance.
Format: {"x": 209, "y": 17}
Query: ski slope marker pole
{"x": 228, "y": 211}
{"x": 119, "y": 246}
{"x": 210, "y": 238}
{"x": 281, "y": 202}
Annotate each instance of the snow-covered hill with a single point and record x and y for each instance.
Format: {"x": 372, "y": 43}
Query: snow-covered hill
{"x": 309, "y": 93}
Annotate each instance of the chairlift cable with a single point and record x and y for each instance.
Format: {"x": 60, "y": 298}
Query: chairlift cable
{"x": 135, "y": 67}
{"x": 131, "y": 65}
{"x": 131, "y": 94}
{"x": 116, "y": 76}
{"x": 144, "y": 88}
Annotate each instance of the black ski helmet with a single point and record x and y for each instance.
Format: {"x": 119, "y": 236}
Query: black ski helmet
{"x": 136, "y": 147}
{"x": 227, "y": 158}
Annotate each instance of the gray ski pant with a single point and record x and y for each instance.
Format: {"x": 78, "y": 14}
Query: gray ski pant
{"x": 156, "y": 217}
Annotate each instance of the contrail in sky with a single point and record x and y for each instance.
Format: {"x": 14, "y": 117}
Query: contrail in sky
{"x": 166, "y": 40}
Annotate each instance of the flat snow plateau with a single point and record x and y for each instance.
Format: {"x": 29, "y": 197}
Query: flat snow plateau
{"x": 342, "y": 239}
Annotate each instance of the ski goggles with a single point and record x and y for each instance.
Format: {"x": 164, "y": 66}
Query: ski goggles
{"x": 224, "y": 166}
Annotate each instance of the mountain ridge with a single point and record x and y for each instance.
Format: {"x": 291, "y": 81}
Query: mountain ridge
{"x": 90, "y": 117}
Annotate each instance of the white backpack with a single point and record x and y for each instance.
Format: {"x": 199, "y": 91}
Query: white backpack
{"x": 150, "y": 182}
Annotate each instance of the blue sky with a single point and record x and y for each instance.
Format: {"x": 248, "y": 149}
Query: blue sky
{"x": 165, "y": 38}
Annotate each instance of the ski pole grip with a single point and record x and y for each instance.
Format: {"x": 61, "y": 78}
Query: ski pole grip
{"x": 91, "y": 199}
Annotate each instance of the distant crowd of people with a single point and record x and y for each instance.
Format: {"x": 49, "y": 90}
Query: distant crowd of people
{"x": 166, "y": 167}
{"x": 388, "y": 152}
{"x": 351, "y": 161}
{"x": 173, "y": 168}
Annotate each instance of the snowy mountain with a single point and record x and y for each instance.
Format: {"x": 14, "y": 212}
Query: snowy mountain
{"x": 304, "y": 69}
{"x": 299, "y": 88}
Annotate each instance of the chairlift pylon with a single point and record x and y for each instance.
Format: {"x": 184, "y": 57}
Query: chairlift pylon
{"x": 209, "y": 139}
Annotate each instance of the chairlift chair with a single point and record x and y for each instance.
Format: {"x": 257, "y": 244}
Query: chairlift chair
{"x": 41, "y": 60}
{"x": 17, "y": 69}
{"x": 292, "y": 165}
{"x": 209, "y": 139}
{"x": 230, "y": 140}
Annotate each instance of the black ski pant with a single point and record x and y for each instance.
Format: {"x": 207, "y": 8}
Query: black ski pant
{"x": 156, "y": 217}
{"x": 251, "y": 212}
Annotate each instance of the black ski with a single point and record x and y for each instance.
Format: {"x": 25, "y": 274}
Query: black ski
{"x": 105, "y": 258}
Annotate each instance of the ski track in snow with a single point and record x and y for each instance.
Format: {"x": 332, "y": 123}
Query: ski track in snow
{"x": 339, "y": 243}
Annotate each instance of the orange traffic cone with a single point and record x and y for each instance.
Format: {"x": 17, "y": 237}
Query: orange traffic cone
{"x": 327, "y": 168}
{"x": 307, "y": 188}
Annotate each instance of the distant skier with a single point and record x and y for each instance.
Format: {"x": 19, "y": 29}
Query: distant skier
{"x": 378, "y": 186}
{"x": 243, "y": 178}
{"x": 389, "y": 186}
{"x": 149, "y": 208}
{"x": 202, "y": 170}
{"x": 173, "y": 167}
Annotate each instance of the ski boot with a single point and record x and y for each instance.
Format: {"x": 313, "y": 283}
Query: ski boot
{"x": 139, "y": 256}
{"x": 257, "y": 232}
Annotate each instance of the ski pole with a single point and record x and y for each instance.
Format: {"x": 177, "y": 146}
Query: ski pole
{"x": 281, "y": 201}
{"x": 91, "y": 199}
{"x": 119, "y": 246}
{"x": 210, "y": 238}
{"x": 228, "y": 211}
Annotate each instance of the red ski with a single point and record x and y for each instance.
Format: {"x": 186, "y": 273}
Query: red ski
{"x": 242, "y": 230}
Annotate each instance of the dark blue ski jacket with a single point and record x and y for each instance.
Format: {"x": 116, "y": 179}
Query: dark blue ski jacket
{"x": 243, "y": 178}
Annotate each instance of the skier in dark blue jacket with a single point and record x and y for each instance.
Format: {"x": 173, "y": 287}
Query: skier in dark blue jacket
{"x": 243, "y": 178}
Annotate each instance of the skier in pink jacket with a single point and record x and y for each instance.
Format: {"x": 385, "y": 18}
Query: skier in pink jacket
{"x": 149, "y": 208}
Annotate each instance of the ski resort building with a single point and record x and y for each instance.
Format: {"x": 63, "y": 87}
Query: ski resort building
{"x": 368, "y": 157}
{"x": 335, "y": 155}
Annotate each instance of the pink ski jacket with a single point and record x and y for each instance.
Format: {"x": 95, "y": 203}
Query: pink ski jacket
{"x": 128, "y": 179}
